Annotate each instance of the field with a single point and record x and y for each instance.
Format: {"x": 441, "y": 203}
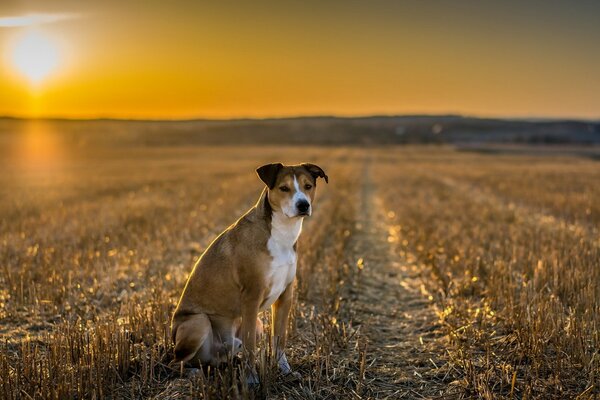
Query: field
{"x": 425, "y": 272}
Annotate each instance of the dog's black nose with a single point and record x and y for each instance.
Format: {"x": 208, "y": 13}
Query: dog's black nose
{"x": 302, "y": 206}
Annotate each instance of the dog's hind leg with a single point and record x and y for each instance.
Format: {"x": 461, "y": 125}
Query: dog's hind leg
{"x": 259, "y": 328}
{"x": 224, "y": 330}
{"x": 191, "y": 334}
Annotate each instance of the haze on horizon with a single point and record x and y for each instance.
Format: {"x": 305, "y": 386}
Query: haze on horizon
{"x": 196, "y": 59}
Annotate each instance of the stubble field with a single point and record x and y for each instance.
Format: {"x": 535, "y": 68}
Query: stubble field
{"x": 424, "y": 272}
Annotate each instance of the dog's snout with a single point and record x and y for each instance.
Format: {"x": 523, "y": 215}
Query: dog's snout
{"x": 303, "y": 206}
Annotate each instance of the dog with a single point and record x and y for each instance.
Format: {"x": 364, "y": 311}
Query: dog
{"x": 248, "y": 268}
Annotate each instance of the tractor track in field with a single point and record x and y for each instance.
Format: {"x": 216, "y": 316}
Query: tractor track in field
{"x": 404, "y": 338}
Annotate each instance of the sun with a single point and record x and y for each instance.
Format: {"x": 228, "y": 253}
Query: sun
{"x": 35, "y": 56}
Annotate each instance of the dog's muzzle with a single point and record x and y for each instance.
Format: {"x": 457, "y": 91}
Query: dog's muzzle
{"x": 303, "y": 208}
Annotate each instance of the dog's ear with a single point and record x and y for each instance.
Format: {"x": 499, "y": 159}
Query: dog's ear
{"x": 316, "y": 171}
{"x": 268, "y": 173}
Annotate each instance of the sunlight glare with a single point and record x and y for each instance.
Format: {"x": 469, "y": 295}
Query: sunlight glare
{"x": 35, "y": 56}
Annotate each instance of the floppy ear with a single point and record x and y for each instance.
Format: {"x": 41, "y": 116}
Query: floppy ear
{"x": 316, "y": 171}
{"x": 268, "y": 173}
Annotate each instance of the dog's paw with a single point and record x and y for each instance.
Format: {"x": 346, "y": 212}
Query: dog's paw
{"x": 235, "y": 346}
{"x": 283, "y": 364}
{"x": 252, "y": 378}
{"x": 192, "y": 373}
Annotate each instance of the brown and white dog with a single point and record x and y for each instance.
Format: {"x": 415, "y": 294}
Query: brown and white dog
{"x": 248, "y": 268}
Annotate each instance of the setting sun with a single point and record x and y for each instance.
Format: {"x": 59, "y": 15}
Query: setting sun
{"x": 182, "y": 60}
{"x": 35, "y": 56}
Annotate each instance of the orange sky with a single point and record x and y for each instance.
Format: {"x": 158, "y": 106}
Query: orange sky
{"x": 185, "y": 59}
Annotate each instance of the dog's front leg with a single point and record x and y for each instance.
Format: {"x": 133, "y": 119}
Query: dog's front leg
{"x": 280, "y": 311}
{"x": 250, "y": 307}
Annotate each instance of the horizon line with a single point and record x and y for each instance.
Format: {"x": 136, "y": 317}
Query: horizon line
{"x": 303, "y": 116}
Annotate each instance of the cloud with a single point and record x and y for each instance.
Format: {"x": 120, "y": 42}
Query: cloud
{"x": 35, "y": 19}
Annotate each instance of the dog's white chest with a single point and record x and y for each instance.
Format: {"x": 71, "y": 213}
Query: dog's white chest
{"x": 282, "y": 269}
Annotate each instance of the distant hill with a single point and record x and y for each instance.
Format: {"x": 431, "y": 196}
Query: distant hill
{"x": 313, "y": 130}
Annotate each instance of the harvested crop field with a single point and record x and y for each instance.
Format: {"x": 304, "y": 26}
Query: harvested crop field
{"x": 424, "y": 272}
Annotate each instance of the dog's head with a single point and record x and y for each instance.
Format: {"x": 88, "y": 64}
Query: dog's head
{"x": 291, "y": 188}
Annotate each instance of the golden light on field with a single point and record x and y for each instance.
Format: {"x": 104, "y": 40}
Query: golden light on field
{"x": 38, "y": 148}
{"x": 35, "y": 56}
{"x": 36, "y": 155}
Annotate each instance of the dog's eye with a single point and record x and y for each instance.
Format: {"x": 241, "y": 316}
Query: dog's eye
{"x": 284, "y": 188}
{"x": 308, "y": 186}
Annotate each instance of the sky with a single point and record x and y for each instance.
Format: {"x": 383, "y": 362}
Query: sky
{"x": 226, "y": 59}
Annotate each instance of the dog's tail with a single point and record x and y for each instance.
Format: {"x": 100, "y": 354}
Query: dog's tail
{"x": 189, "y": 332}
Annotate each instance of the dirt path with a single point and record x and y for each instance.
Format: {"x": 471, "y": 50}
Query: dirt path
{"x": 404, "y": 339}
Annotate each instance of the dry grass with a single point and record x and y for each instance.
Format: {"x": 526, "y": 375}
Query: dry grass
{"x": 95, "y": 247}
{"x": 511, "y": 246}
{"x": 96, "y": 251}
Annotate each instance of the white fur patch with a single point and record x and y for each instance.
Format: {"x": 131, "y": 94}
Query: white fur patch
{"x": 282, "y": 270}
{"x": 289, "y": 207}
